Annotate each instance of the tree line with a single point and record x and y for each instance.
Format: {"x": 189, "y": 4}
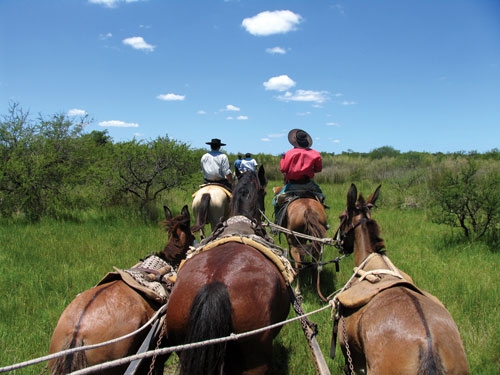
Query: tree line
{"x": 51, "y": 167}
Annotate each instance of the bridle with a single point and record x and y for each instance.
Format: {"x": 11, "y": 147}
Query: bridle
{"x": 345, "y": 230}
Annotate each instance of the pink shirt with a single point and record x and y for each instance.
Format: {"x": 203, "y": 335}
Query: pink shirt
{"x": 299, "y": 163}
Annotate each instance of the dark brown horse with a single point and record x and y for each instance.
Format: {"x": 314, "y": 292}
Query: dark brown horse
{"x": 114, "y": 309}
{"x": 231, "y": 288}
{"x": 305, "y": 215}
{"x": 386, "y": 324}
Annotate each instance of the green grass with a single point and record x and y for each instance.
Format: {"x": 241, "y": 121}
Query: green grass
{"x": 44, "y": 266}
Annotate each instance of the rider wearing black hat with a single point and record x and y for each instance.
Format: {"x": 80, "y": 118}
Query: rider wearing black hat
{"x": 215, "y": 165}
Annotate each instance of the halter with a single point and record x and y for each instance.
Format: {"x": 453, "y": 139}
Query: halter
{"x": 341, "y": 235}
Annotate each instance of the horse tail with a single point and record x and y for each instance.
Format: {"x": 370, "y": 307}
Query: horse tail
{"x": 69, "y": 363}
{"x": 209, "y": 318}
{"x": 314, "y": 228}
{"x": 202, "y": 215}
{"x": 430, "y": 362}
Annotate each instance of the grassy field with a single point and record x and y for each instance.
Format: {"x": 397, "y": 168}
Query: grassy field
{"x": 43, "y": 267}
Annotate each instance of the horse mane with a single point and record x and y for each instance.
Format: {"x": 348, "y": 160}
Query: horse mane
{"x": 245, "y": 196}
{"x": 377, "y": 243}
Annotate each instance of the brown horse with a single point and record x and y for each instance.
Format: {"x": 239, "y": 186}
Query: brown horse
{"x": 386, "y": 324}
{"x": 114, "y": 309}
{"x": 306, "y": 215}
{"x": 231, "y": 288}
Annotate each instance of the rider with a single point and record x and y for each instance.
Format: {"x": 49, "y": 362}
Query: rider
{"x": 215, "y": 165}
{"x": 299, "y": 165}
{"x": 248, "y": 164}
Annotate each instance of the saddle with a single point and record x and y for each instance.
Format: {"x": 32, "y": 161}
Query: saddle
{"x": 153, "y": 277}
{"x": 284, "y": 199}
{"x": 376, "y": 274}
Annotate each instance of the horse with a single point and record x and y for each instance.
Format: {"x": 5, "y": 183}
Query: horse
{"x": 306, "y": 215}
{"x": 231, "y": 288}
{"x": 386, "y": 325}
{"x": 210, "y": 206}
{"x": 113, "y": 309}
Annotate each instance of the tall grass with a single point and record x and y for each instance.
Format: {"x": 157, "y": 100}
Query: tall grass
{"x": 43, "y": 267}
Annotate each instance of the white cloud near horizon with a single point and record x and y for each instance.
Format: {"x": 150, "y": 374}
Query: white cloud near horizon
{"x": 76, "y": 112}
{"x": 279, "y": 83}
{"x": 118, "y": 124}
{"x": 269, "y": 23}
{"x": 231, "y": 107}
{"x": 138, "y": 42}
{"x": 276, "y": 51}
{"x": 170, "y": 97}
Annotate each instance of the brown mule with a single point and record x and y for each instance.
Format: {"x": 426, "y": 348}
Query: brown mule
{"x": 386, "y": 325}
{"x": 112, "y": 310}
{"x": 231, "y": 288}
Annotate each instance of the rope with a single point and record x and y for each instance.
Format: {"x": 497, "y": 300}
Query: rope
{"x": 172, "y": 349}
{"x": 328, "y": 241}
{"x": 81, "y": 348}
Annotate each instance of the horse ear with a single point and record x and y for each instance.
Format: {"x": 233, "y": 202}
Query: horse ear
{"x": 352, "y": 195}
{"x": 185, "y": 212}
{"x": 374, "y": 196}
{"x": 168, "y": 213}
{"x": 237, "y": 172}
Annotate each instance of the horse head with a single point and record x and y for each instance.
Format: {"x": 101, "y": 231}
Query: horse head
{"x": 180, "y": 236}
{"x": 249, "y": 193}
{"x": 357, "y": 213}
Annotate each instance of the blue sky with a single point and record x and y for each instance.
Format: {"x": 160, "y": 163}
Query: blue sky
{"x": 416, "y": 75}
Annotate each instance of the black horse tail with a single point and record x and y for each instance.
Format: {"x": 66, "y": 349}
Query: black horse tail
{"x": 202, "y": 216}
{"x": 69, "y": 363}
{"x": 430, "y": 362}
{"x": 209, "y": 318}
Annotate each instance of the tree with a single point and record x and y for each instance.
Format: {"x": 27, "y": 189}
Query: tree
{"x": 37, "y": 160}
{"x": 467, "y": 197}
{"x": 145, "y": 170}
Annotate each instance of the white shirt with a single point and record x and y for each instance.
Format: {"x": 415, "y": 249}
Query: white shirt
{"x": 215, "y": 165}
{"x": 248, "y": 164}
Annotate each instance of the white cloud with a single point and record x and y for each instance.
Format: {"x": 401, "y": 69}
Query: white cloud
{"x": 202, "y": 112}
{"x": 111, "y": 3}
{"x": 332, "y": 124}
{"x": 276, "y": 50}
{"x": 105, "y": 36}
{"x": 76, "y": 112}
{"x": 171, "y": 97}
{"x": 231, "y": 107}
{"x": 305, "y": 96}
{"x": 279, "y": 83}
{"x": 242, "y": 118}
{"x": 269, "y": 23}
{"x": 118, "y": 124}
{"x": 138, "y": 42}
{"x": 345, "y": 102}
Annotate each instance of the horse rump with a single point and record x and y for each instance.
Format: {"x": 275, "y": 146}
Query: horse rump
{"x": 68, "y": 363}
{"x": 209, "y": 318}
{"x": 202, "y": 214}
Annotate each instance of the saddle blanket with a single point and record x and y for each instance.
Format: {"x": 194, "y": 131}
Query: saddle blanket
{"x": 153, "y": 277}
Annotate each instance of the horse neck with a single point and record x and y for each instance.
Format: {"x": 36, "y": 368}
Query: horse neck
{"x": 362, "y": 244}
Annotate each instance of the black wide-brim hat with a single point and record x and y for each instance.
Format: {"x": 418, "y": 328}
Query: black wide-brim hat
{"x": 215, "y": 142}
{"x": 300, "y": 138}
